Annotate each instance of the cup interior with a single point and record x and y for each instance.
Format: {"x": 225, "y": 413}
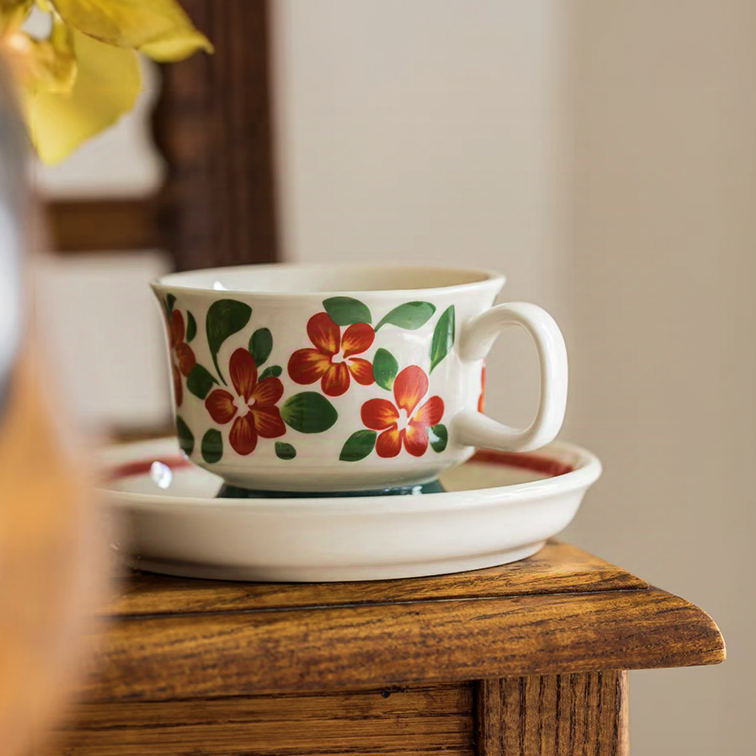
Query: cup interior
{"x": 336, "y": 278}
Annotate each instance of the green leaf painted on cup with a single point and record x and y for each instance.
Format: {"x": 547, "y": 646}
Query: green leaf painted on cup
{"x": 170, "y": 300}
{"x": 200, "y": 381}
{"x": 191, "y": 327}
{"x": 261, "y": 345}
{"x": 224, "y": 318}
{"x": 345, "y": 310}
{"x": 212, "y": 446}
{"x": 185, "y": 437}
{"x": 309, "y": 412}
{"x": 410, "y": 315}
{"x": 285, "y": 451}
{"x": 438, "y": 436}
{"x": 385, "y": 368}
{"x": 443, "y": 337}
{"x": 274, "y": 371}
{"x": 358, "y": 446}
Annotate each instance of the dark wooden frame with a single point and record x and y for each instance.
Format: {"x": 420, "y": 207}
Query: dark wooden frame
{"x": 213, "y": 124}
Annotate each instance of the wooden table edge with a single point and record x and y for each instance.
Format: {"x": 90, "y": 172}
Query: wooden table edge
{"x": 309, "y": 649}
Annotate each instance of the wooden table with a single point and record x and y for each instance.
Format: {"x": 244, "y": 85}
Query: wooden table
{"x": 527, "y": 659}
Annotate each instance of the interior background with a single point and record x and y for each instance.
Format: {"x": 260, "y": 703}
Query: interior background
{"x": 603, "y": 156}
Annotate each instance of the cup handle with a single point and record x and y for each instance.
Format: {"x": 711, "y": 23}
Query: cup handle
{"x": 472, "y": 428}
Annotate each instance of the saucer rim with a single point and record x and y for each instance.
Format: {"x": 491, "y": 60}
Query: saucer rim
{"x": 586, "y": 472}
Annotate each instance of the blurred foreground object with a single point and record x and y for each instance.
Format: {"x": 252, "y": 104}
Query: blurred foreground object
{"x": 49, "y": 568}
{"x": 84, "y": 75}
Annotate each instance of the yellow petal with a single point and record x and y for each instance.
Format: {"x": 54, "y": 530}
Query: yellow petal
{"x": 9, "y": 7}
{"x": 13, "y": 13}
{"x": 158, "y": 28}
{"x": 42, "y": 64}
{"x": 51, "y": 63}
{"x": 176, "y": 46}
{"x": 106, "y": 87}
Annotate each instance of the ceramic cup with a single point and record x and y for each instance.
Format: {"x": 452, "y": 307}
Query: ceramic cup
{"x": 309, "y": 378}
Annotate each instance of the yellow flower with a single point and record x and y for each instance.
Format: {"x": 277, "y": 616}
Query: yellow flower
{"x": 84, "y": 75}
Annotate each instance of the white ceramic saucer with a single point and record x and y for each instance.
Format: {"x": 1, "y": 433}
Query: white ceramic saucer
{"x": 498, "y": 507}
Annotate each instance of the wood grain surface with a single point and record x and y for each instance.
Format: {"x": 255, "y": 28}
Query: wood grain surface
{"x": 557, "y": 568}
{"x": 553, "y": 715}
{"x": 248, "y": 652}
{"x": 404, "y": 722}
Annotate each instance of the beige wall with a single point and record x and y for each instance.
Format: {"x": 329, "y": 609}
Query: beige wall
{"x": 664, "y": 197}
{"x": 603, "y": 155}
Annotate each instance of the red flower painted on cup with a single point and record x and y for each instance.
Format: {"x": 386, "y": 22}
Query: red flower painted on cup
{"x": 182, "y": 355}
{"x": 400, "y": 423}
{"x": 253, "y": 406}
{"x": 481, "y": 398}
{"x": 332, "y": 361}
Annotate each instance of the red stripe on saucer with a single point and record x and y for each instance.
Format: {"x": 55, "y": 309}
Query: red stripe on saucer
{"x": 545, "y": 465}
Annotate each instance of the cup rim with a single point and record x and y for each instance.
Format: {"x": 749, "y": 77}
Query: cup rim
{"x": 484, "y": 276}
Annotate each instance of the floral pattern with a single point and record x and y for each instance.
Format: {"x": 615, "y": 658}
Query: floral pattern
{"x": 402, "y": 423}
{"x": 182, "y": 355}
{"x": 253, "y": 409}
{"x": 332, "y": 360}
{"x": 254, "y": 404}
